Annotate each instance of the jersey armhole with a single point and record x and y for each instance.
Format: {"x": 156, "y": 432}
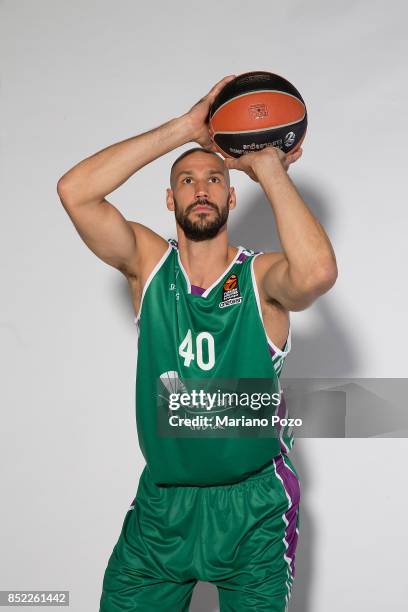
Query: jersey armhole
{"x": 152, "y": 274}
{"x": 276, "y": 350}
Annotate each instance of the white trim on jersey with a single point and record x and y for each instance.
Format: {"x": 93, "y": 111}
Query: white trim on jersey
{"x": 183, "y": 271}
{"x": 215, "y": 283}
{"x": 149, "y": 280}
{"x": 277, "y": 350}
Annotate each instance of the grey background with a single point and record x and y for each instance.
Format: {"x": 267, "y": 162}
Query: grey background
{"x": 77, "y": 76}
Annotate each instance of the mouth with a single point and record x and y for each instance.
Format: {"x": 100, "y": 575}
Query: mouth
{"x": 202, "y": 208}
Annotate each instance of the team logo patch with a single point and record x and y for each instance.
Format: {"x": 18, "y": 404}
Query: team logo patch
{"x": 230, "y": 292}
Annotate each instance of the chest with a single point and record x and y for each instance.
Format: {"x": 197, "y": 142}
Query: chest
{"x": 213, "y": 307}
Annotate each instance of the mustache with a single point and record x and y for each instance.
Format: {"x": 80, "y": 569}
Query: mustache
{"x": 201, "y": 201}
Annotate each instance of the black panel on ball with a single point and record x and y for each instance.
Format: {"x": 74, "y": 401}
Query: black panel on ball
{"x": 285, "y": 138}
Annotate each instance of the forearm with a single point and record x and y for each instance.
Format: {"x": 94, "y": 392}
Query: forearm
{"x": 100, "y": 174}
{"x": 305, "y": 243}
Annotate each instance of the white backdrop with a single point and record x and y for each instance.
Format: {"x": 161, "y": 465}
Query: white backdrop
{"x": 77, "y": 76}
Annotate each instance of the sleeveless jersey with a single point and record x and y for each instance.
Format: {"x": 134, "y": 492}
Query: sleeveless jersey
{"x": 217, "y": 333}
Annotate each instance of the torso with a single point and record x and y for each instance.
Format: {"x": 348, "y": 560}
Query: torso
{"x": 275, "y": 316}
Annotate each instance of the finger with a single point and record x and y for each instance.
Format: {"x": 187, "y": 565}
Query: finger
{"x": 210, "y": 147}
{"x": 214, "y": 91}
{"x": 217, "y": 150}
{"x": 292, "y": 157}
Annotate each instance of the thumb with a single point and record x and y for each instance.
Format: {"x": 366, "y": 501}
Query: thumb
{"x": 231, "y": 162}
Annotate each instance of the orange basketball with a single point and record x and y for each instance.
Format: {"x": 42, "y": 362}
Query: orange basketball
{"x": 257, "y": 110}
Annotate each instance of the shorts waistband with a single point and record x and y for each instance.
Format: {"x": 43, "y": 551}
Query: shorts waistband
{"x": 264, "y": 471}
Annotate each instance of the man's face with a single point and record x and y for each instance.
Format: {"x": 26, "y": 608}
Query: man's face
{"x": 201, "y": 197}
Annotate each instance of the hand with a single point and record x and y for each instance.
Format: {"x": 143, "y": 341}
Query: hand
{"x": 198, "y": 115}
{"x": 251, "y": 162}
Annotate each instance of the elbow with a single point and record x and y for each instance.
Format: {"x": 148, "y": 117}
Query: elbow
{"x": 322, "y": 280}
{"x": 318, "y": 283}
{"x": 65, "y": 192}
{"x": 62, "y": 188}
{"x": 64, "y": 183}
{"x": 327, "y": 276}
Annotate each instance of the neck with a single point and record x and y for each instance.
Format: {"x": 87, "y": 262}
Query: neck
{"x": 205, "y": 261}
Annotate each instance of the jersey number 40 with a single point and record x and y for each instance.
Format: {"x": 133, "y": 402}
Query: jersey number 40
{"x": 192, "y": 349}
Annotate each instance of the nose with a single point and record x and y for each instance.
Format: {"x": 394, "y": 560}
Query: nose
{"x": 201, "y": 189}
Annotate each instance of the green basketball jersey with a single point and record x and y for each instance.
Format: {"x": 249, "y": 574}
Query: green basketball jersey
{"x": 186, "y": 335}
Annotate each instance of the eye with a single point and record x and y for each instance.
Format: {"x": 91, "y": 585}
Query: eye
{"x": 188, "y": 178}
{"x": 215, "y": 178}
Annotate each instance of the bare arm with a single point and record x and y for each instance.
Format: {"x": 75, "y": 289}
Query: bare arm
{"x": 100, "y": 224}
{"x": 83, "y": 189}
{"x": 307, "y": 267}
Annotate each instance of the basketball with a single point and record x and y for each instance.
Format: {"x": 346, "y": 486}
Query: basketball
{"x": 257, "y": 110}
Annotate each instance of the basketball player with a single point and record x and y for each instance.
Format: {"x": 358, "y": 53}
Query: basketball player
{"x": 226, "y": 509}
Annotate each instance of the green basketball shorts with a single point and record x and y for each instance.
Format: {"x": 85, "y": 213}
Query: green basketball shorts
{"x": 241, "y": 537}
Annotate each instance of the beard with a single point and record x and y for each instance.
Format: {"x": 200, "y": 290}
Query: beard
{"x": 204, "y": 228}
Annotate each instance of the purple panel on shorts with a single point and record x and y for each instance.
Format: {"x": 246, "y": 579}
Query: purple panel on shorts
{"x": 291, "y": 484}
{"x": 196, "y": 290}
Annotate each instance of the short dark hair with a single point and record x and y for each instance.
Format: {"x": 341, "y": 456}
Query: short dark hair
{"x": 188, "y": 152}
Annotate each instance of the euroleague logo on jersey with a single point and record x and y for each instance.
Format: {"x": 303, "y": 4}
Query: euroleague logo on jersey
{"x": 230, "y": 292}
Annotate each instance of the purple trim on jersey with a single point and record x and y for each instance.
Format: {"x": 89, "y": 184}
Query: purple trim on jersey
{"x": 196, "y": 290}
{"x": 242, "y": 257}
{"x": 273, "y": 352}
{"x": 292, "y": 487}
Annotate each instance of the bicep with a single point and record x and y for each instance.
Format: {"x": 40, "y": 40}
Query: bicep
{"x": 115, "y": 240}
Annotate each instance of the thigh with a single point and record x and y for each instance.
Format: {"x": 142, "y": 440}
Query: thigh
{"x": 125, "y": 592}
{"x": 147, "y": 568}
{"x": 263, "y": 572}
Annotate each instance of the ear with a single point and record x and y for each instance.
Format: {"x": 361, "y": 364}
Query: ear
{"x": 232, "y": 200}
{"x": 169, "y": 199}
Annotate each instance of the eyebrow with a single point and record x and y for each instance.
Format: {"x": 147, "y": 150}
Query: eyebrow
{"x": 212, "y": 171}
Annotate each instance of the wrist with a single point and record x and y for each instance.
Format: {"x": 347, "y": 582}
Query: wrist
{"x": 268, "y": 163}
{"x": 185, "y": 128}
